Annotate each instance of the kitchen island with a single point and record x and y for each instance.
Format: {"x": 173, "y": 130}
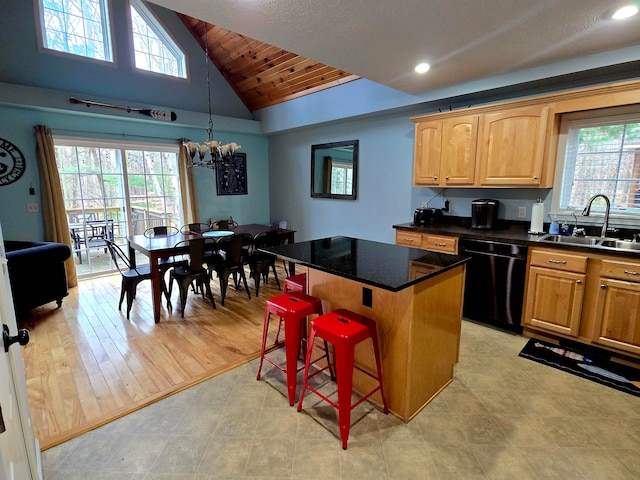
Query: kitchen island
{"x": 414, "y": 296}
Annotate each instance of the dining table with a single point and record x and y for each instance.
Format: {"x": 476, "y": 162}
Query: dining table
{"x": 163, "y": 246}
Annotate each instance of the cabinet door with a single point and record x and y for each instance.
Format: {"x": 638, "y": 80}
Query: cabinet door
{"x": 512, "y": 147}
{"x": 459, "y": 141}
{"x": 554, "y": 300}
{"x": 427, "y": 154}
{"x": 618, "y": 315}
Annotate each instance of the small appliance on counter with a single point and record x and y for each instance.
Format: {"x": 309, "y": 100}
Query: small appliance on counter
{"x": 427, "y": 216}
{"x": 537, "y": 218}
{"x": 484, "y": 213}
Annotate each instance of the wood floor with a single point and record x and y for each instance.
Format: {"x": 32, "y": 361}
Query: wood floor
{"x": 86, "y": 364}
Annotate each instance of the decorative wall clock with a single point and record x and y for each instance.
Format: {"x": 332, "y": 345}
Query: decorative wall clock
{"x": 11, "y": 162}
{"x": 231, "y": 176}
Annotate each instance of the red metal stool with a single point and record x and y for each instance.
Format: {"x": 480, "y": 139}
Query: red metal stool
{"x": 292, "y": 308}
{"x": 296, "y": 283}
{"x": 344, "y": 329}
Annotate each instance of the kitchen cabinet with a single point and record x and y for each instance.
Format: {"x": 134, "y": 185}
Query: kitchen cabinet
{"x": 445, "y": 152}
{"x": 497, "y": 148}
{"x": 513, "y": 146}
{"x": 555, "y": 290}
{"x": 617, "y": 318}
{"x": 427, "y": 241}
{"x": 440, "y": 243}
{"x": 408, "y": 239}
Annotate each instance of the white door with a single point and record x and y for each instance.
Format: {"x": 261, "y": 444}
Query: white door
{"x": 19, "y": 452}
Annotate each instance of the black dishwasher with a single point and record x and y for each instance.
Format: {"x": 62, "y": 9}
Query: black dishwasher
{"x": 494, "y": 285}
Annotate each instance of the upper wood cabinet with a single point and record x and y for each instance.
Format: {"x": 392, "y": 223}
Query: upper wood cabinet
{"x": 493, "y": 149}
{"x": 513, "y": 146}
{"x": 509, "y": 144}
{"x": 427, "y": 153}
{"x": 445, "y": 152}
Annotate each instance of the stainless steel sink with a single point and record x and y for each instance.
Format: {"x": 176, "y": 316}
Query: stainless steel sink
{"x": 592, "y": 241}
{"x": 620, "y": 244}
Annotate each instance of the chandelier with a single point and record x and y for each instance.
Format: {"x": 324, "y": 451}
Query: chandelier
{"x": 218, "y": 154}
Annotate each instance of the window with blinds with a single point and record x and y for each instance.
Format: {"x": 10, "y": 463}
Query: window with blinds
{"x": 599, "y": 153}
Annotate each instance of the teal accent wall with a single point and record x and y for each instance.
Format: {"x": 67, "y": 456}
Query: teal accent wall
{"x": 17, "y": 125}
{"x": 35, "y": 86}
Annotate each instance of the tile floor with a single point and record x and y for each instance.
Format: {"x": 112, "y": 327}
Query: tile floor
{"x": 503, "y": 417}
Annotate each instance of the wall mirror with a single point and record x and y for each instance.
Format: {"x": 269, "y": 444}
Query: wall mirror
{"x": 334, "y": 170}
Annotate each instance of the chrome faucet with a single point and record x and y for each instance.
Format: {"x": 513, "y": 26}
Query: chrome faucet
{"x": 587, "y": 210}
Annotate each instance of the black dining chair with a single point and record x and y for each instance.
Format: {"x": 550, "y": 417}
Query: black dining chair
{"x": 260, "y": 262}
{"x": 229, "y": 261}
{"x": 185, "y": 275}
{"x": 166, "y": 264}
{"x": 195, "y": 228}
{"x": 131, "y": 276}
{"x": 161, "y": 231}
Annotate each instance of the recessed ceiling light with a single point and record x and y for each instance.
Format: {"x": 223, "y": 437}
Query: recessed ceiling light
{"x": 422, "y": 68}
{"x": 625, "y": 12}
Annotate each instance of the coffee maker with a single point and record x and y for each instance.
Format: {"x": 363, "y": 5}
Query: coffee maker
{"x": 484, "y": 213}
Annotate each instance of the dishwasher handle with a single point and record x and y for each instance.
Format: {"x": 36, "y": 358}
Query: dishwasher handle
{"x": 493, "y": 254}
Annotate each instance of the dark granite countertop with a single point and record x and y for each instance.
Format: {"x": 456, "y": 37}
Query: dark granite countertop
{"x": 384, "y": 265}
{"x": 511, "y": 232}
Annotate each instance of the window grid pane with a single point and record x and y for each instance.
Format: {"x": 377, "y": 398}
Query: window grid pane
{"x": 78, "y": 27}
{"x": 603, "y": 159}
{"x": 93, "y": 180}
{"x": 152, "y": 52}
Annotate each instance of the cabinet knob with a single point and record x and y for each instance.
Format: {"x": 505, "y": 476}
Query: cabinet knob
{"x": 603, "y": 286}
{"x": 435, "y": 177}
{"x": 447, "y": 177}
{"x": 535, "y": 177}
{"x": 579, "y": 282}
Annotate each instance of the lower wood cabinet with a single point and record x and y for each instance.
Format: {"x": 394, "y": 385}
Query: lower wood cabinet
{"x": 555, "y": 291}
{"x": 617, "y": 319}
{"x": 427, "y": 241}
{"x": 440, "y": 243}
{"x": 591, "y": 298}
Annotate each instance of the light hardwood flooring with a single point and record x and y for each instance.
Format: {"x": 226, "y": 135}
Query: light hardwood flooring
{"x": 86, "y": 364}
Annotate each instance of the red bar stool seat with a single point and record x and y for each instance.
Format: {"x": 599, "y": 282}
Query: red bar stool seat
{"x": 292, "y": 308}
{"x": 344, "y": 329}
{"x": 296, "y": 283}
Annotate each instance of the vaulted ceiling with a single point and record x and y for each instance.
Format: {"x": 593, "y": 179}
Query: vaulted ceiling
{"x": 261, "y": 74}
{"x": 282, "y": 49}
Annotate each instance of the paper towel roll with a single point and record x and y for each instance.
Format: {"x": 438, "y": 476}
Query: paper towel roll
{"x": 537, "y": 218}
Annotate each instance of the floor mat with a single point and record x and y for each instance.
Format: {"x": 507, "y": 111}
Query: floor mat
{"x": 587, "y": 364}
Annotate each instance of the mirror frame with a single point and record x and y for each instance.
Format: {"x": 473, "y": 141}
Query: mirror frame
{"x": 354, "y": 183}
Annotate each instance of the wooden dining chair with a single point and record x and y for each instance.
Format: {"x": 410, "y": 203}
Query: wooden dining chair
{"x": 185, "y": 275}
{"x": 131, "y": 276}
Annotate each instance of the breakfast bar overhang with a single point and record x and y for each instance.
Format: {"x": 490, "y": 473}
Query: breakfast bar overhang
{"x": 415, "y": 297}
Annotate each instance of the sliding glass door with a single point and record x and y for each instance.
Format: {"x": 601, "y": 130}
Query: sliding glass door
{"x": 112, "y": 190}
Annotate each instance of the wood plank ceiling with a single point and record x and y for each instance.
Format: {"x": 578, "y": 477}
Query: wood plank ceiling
{"x": 261, "y": 74}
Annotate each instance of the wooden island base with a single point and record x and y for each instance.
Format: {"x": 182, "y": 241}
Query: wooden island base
{"x": 418, "y": 330}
